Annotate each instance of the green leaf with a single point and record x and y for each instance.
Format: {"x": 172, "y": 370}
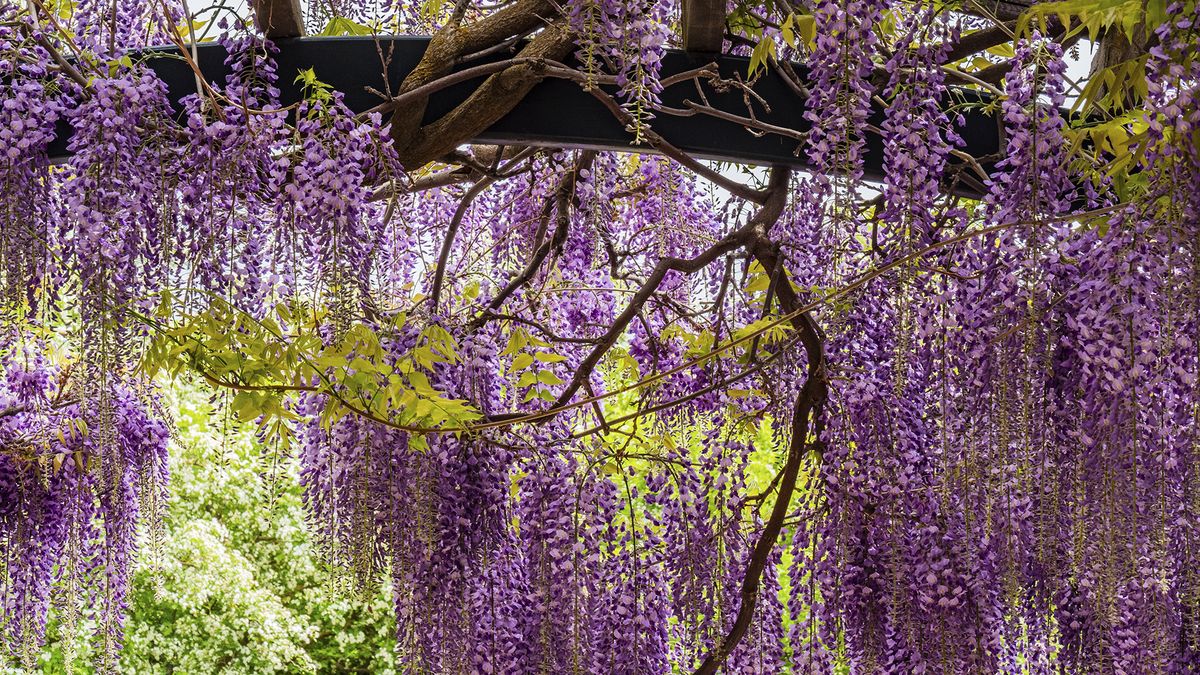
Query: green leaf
{"x": 248, "y": 405}
{"x": 516, "y": 342}
{"x": 548, "y": 377}
{"x": 788, "y": 32}
{"x": 420, "y": 383}
{"x": 522, "y": 362}
{"x": 339, "y": 25}
{"x": 807, "y": 25}
{"x": 308, "y": 76}
{"x": 763, "y": 52}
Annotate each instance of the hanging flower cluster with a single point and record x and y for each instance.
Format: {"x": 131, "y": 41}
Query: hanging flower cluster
{"x": 28, "y": 114}
{"x": 841, "y": 65}
{"x": 917, "y": 127}
{"x": 626, "y": 38}
{"x": 69, "y": 508}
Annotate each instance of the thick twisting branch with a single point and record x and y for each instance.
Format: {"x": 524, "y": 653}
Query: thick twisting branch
{"x": 806, "y": 422}
{"x": 417, "y": 145}
{"x": 498, "y": 95}
{"x": 453, "y": 41}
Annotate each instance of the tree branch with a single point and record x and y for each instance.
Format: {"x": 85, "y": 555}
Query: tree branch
{"x": 806, "y": 419}
{"x": 659, "y": 143}
{"x": 498, "y": 94}
{"x": 278, "y": 18}
{"x": 703, "y": 25}
{"x": 439, "y": 273}
{"x": 452, "y": 42}
{"x": 769, "y": 213}
{"x": 977, "y": 41}
{"x": 21, "y": 409}
{"x": 452, "y": 231}
{"x": 566, "y": 188}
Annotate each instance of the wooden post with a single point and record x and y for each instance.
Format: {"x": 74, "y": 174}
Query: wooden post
{"x": 279, "y": 18}
{"x": 703, "y": 25}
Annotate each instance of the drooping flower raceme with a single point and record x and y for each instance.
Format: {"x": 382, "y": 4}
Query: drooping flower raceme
{"x": 68, "y": 526}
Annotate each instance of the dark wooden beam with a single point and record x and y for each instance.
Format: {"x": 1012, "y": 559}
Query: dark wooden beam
{"x": 279, "y": 18}
{"x": 559, "y": 113}
{"x": 703, "y": 25}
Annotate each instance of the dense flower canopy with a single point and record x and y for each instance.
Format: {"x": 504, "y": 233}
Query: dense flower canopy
{"x": 628, "y": 412}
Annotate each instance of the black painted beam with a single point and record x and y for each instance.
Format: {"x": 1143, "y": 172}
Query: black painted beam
{"x": 558, "y": 113}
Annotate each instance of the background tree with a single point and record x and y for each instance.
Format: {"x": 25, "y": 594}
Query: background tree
{"x": 229, "y": 582}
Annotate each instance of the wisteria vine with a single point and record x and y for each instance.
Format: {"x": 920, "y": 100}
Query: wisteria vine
{"x": 600, "y": 412}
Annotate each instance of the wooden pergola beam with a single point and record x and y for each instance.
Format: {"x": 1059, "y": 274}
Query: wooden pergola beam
{"x": 703, "y": 25}
{"x": 279, "y": 18}
{"x": 559, "y": 113}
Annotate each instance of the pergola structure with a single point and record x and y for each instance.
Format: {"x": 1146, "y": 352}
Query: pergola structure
{"x": 710, "y": 109}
